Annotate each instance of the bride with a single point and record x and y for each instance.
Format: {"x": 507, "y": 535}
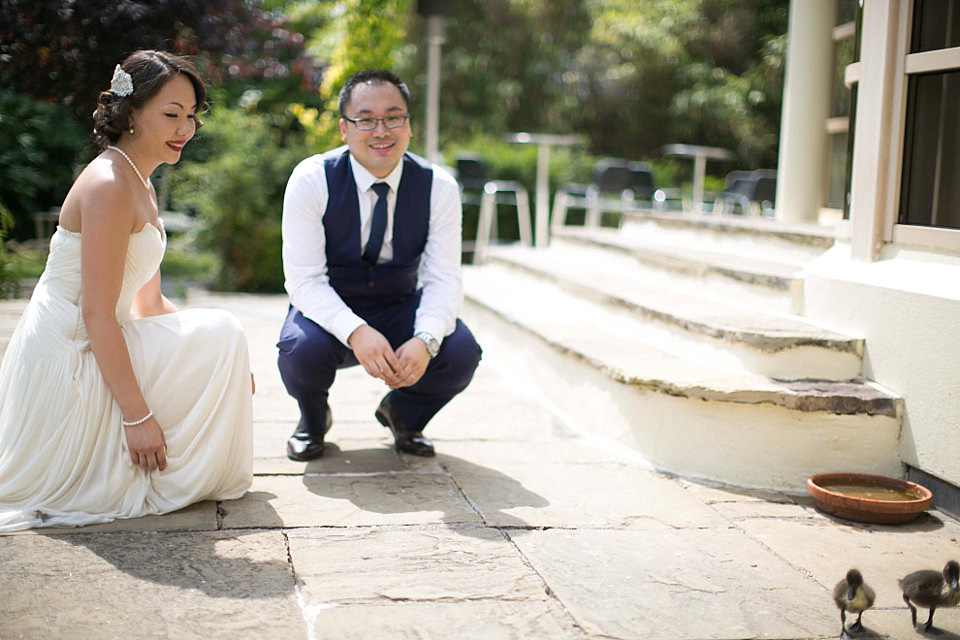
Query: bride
{"x": 114, "y": 404}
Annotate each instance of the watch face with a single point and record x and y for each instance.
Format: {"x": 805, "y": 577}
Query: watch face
{"x": 433, "y": 347}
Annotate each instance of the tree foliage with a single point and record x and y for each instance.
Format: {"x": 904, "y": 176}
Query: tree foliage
{"x": 39, "y": 146}
{"x": 237, "y": 190}
{"x": 631, "y": 75}
{"x": 64, "y": 51}
{"x": 503, "y": 65}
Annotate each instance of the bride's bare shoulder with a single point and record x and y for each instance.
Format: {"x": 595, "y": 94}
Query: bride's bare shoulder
{"x": 98, "y": 192}
{"x": 101, "y": 175}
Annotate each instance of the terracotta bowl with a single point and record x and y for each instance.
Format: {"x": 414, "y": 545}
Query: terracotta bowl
{"x": 862, "y": 497}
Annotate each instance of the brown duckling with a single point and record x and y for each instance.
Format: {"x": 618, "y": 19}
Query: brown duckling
{"x": 852, "y": 594}
{"x": 931, "y": 589}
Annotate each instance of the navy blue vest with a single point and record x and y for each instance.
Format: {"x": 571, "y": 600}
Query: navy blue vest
{"x": 358, "y": 283}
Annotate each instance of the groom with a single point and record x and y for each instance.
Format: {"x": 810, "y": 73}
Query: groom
{"x": 371, "y": 256}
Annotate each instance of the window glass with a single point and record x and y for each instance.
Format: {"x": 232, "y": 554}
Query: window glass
{"x": 931, "y": 162}
{"x": 846, "y": 11}
{"x": 837, "y": 180}
{"x": 848, "y": 177}
{"x": 842, "y": 56}
{"x": 936, "y": 25}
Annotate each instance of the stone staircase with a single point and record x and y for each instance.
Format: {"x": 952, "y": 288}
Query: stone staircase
{"x": 683, "y": 339}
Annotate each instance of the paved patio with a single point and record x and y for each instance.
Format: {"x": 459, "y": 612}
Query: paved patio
{"x": 525, "y": 525}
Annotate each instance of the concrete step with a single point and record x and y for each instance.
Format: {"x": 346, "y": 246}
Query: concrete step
{"x": 617, "y": 375}
{"x": 698, "y": 322}
{"x": 753, "y": 259}
{"x": 693, "y": 253}
{"x": 801, "y": 236}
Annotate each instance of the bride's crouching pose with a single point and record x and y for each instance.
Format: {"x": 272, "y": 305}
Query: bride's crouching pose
{"x": 113, "y": 404}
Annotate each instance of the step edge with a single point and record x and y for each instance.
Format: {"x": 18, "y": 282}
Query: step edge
{"x": 757, "y": 340}
{"x": 673, "y": 261}
{"x": 885, "y": 404}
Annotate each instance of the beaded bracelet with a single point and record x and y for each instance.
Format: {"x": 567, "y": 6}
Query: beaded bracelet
{"x": 140, "y": 421}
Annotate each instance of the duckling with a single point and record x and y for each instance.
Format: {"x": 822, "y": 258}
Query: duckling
{"x": 931, "y": 589}
{"x": 852, "y": 594}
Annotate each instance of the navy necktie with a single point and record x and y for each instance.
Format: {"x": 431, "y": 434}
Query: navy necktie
{"x": 378, "y": 225}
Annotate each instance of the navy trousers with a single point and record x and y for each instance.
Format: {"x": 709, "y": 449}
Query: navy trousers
{"x": 309, "y": 358}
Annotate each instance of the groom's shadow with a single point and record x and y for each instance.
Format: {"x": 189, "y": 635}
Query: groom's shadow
{"x": 381, "y": 481}
{"x": 220, "y": 564}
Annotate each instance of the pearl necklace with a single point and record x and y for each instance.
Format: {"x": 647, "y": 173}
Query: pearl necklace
{"x": 146, "y": 183}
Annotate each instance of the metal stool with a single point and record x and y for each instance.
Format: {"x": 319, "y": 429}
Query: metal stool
{"x": 472, "y": 174}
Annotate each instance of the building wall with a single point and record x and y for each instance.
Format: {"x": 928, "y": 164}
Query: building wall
{"x": 906, "y": 305}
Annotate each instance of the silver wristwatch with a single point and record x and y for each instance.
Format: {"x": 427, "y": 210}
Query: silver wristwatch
{"x": 433, "y": 347}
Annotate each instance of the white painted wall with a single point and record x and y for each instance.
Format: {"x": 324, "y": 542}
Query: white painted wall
{"x": 907, "y": 307}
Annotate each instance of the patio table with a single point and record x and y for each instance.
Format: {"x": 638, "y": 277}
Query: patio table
{"x": 542, "y": 198}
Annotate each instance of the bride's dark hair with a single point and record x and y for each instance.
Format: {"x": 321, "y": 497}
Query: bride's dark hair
{"x": 149, "y": 71}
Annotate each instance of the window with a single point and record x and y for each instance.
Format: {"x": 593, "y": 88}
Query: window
{"x": 930, "y": 181}
{"x": 841, "y": 107}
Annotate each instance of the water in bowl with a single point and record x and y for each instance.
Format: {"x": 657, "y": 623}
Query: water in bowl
{"x": 872, "y": 492}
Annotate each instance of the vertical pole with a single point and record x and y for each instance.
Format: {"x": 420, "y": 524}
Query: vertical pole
{"x": 435, "y": 39}
{"x": 543, "y": 193}
{"x": 699, "y": 173}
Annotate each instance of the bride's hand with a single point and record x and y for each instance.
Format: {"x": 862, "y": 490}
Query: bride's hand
{"x": 148, "y": 447}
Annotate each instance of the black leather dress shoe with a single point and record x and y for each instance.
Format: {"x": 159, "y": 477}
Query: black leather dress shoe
{"x": 412, "y": 442}
{"x": 302, "y": 446}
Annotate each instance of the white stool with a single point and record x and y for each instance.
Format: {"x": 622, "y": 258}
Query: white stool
{"x": 497, "y": 192}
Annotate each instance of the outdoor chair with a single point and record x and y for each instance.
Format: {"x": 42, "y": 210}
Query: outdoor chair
{"x": 736, "y": 186}
{"x": 765, "y": 193}
{"x": 610, "y": 190}
{"x": 641, "y": 184}
{"x": 476, "y": 190}
{"x": 747, "y": 192}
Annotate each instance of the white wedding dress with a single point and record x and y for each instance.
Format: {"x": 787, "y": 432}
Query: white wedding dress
{"x": 63, "y": 452}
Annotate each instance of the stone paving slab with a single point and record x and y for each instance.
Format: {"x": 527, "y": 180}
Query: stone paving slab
{"x": 579, "y": 495}
{"x": 525, "y": 525}
{"x": 345, "y": 456}
{"x": 347, "y": 500}
{"x": 896, "y": 624}
{"x": 147, "y": 585}
{"x": 690, "y": 583}
{"x": 466, "y": 620}
{"x": 827, "y": 547}
{"x": 423, "y": 564}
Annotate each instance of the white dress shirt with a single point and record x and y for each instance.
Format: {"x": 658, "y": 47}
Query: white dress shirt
{"x": 305, "y": 258}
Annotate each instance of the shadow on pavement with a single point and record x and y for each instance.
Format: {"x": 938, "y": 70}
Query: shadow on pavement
{"x": 428, "y": 485}
{"x": 220, "y": 564}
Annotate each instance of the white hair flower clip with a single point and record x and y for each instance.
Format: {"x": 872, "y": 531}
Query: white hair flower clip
{"x": 122, "y": 83}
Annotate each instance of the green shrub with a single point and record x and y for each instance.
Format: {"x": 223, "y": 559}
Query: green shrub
{"x": 9, "y": 280}
{"x": 40, "y": 146}
{"x": 188, "y": 263}
{"x": 235, "y": 183}
{"x": 18, "y": 262}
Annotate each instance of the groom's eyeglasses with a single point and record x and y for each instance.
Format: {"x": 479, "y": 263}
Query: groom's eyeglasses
{"x": 369, "y": 124}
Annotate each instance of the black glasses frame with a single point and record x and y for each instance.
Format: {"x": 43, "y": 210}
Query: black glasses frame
{"x": 403, "y": 118}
